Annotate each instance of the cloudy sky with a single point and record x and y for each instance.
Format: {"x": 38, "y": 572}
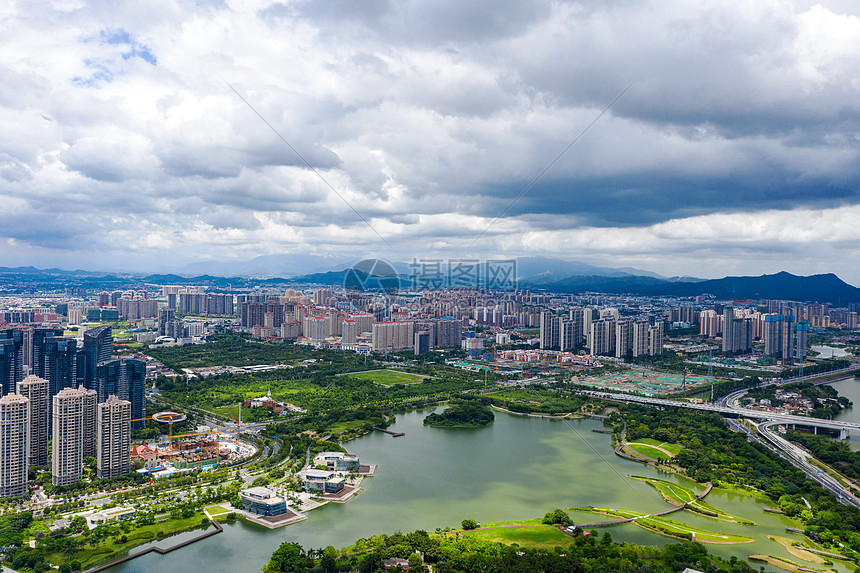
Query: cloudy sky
{"x": 736, "y": 149}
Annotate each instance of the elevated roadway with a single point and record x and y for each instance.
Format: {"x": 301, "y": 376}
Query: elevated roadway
{"x": 785, "y": 419}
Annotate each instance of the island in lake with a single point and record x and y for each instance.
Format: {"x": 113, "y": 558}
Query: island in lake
{"x": 462, "y": 414}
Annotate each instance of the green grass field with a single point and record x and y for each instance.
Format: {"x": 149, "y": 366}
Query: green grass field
{"x": 650, "y": 444}
{"x": 217, "y": 511}
{"x": 389, "y": 377}
{"x": 543, "y": 537}
{"x": 646, "y": 450}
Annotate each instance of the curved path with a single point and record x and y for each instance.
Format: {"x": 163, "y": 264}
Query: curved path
{"x": 674, "y": 509}
{"x": 619, "y": 450}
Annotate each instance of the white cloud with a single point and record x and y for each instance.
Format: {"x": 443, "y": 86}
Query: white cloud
{"x": 739, "y": 141}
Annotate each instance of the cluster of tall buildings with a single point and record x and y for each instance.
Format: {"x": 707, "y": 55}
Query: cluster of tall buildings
{"x": 79, "y": 427}
{"x": 784, "y": 333}
{"x": 83, "y": 398}
{"x": 608, "y": 334}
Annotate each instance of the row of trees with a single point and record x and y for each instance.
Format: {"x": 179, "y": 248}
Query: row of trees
{"x": 460, "y": 553}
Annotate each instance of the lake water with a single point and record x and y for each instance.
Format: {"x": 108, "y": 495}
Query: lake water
{"x": 517, "y": 468}
{"x": 825, "y": 351}
{"x": 850, "y": 388}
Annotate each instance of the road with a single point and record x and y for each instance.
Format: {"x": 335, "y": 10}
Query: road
{"x": 728, "y": 406}
{"x": 800, "y": 459}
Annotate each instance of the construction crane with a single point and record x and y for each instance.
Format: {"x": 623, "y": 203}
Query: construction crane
{"x": 169, "y": 418}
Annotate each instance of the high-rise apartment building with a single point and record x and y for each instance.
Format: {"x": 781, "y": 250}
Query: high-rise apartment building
{"x": 14, "y": 444}
{"x": 549, "y": 330}
{"x": 113, "y": 422}
{"x": 569, "y": 334}
{"x": 98, "y": 345}
{"x": 89, "y": 400}
{"x": 623, "y": 337}
{"x": 655, "y": 339}
{"x": 11, "y": 359}
{"x": 640, "y": 340}
{"x": 36, "y": 390}
{"x": 772, "y": 334}
{"x": 787, "y": 336}
{"x": 126, "y": 379}
{"x": 801, "y": 334}
{"x": 67, "y": 443}
{"x": 601, "y": 339}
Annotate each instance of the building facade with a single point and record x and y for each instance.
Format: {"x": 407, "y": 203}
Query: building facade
{"x": 113, "y": 423}
{"x": 14, "y": 444}
{"x": 35, "y": 389}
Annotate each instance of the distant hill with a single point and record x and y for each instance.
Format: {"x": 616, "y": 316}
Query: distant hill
{"x": 821, "y": 288}
{"x": 779, "y": 286}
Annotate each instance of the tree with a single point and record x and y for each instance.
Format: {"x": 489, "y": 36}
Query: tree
{"x": 557, "y": 517}
{"x": 370, "y": 563}
{"x": 416, "y": 564}
{"x": 288, "y": 558}
{"x": 469, "y": 524}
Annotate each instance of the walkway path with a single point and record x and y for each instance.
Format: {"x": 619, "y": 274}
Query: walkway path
{"x": 674, "y": 509}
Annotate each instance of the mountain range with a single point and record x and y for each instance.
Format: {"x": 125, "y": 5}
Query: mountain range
{"x": 535, "y": 273}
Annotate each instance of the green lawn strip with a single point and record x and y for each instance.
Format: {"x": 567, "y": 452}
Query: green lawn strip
{"x": 781, "y": 563}
{"x": 673, "y": 449}
{"x": 107, "y": 550}
{"x": 389, "y": 377}
{"x": 678, "y": 494}
{"x": 671, "y": 528}
{"x": 545, "y": 537}
{"x": 797, "y": 549}
{"x": 671, "y": 492}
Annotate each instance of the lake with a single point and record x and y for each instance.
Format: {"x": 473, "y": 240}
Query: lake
{"x": 517, "y": 468}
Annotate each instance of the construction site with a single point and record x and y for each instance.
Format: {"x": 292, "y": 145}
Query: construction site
{"x": 203, "y": 449}
{"x": 584, "y": 370}
{"x": 645, "y": 381}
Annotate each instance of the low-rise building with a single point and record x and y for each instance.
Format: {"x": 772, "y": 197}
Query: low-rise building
{"x": 262, "y": 501}
{"x": 322, "y": 481}
{"x": 337, "y": 461}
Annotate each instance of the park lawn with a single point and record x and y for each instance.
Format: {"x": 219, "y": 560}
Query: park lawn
{"x": 389, "y": 377}
{"x": 646, "y": 450}
{"x": 340, "y": 427}
{"x": 107, "y": 550}
{"x": 540, "y": 537}
{"x": 217, "y": 510}
{"x": 673, "y": 449}
{"x": 735, "y": 488}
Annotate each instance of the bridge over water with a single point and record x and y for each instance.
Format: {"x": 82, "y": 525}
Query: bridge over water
{"x": 785, "y": 419}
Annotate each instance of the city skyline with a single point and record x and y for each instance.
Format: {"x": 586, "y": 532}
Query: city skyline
{"x": 736, "y": 143}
